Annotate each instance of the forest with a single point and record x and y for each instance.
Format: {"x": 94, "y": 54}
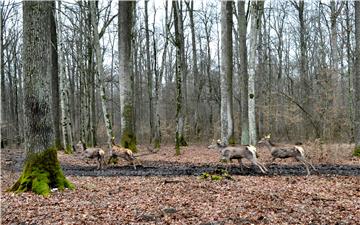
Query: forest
{"x": 132, "y": 112}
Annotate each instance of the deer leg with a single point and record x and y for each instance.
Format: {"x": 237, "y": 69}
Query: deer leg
{"x": 241, "y": 164}
{"x": 264, "y": 168}
{"x": 308, "y": 162}
{"x": 302, "y": 160}
{"x": 254, "y": 161}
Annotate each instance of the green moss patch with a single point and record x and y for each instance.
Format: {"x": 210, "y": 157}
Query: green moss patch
{"x": 218, "y": 174}
{"x": 357, "y": 151}
{"x": 41, "y": 173}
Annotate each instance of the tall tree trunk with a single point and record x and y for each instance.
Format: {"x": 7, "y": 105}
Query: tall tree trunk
{"x": 180, "y": 71}
{"x": 256, "y": 12}
{"x": 357, "y": 78}
{"x": 337, "y": 79}
{"x": 55, "y": 97}
{"x": 149, "y": 74}
{"x": 2, "y": 89}
{"x": 244, "y": 77}
{"x": 42, "y": 170}
{"x": 101, "y": 76}
{"x": 128, "y": 137}
{"x": 226, "y": 112}
{"x": 64, "y": 97}
{"x": 91, "y": 81}
{"x": 196, "y": 77}
{"x": 158, "y": 79}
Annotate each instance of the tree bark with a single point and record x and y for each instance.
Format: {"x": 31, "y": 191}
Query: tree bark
{"x": 55, "y": 97}
{"x": 149, "y": 74}
{"x": 226, "y": 70}
{"x": 128, "y": 138}
{"x": 357, "y": 77}
{"x": 101, "y": 75}
{"x": 244, "y": 76}
{"x": 179, "y": 75}
{"x": 42, "y": 170}
{"x": 64, "y": 97}
{"x": 256, "y": 12}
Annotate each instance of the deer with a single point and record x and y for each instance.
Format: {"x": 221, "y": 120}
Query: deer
{"x": 91, "y": 153}
{"x": 248, "y": 152}
{"x": 98, "y": 154}
{"x": 127, "y": 154}
{"x": 297, "y": 152}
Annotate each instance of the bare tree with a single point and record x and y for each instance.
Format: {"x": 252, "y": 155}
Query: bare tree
{"x": 180, "y": 74}
{"x": 357, "y": 77}
{"x": 101, "y": 76}
{"x": 128, "y": 138}
{"x": 256, "y": 14}
{"x": 149, "y": 74}
{"x": 244, "y": 77}
{"x": 55, "y": 97}
{"x": 64, "y": 97}
{"x": 226, "y": 71}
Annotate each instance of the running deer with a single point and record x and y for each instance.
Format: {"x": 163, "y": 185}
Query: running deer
{"x": 239, "y": 152}
{"x": 283, "y": 152}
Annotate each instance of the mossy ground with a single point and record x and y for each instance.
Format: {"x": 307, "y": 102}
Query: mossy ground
{"x": 41, "y": 173}
{"x": 357, "y": 151}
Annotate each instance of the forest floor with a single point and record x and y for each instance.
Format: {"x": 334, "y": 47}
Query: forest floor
{"x": 168, "y": 189}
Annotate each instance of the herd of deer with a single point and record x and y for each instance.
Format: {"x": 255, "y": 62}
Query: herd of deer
{"x": 249, "y": 152}
{"x": 100, "y": 155}
{"x": 228, "y": 153}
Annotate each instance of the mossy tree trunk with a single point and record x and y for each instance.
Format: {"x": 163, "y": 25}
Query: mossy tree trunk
{"x": 41, "y": 169}
{"x": 179, "y": 75}
{"x": 128, "y": 137}
{"x": 357, "y": 78}
{"x": 101, "y": 76}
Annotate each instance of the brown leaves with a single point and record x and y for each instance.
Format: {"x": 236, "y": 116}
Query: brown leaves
{"x": 187, "y": 199}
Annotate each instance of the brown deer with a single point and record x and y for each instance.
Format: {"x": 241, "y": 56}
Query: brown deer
{"x": 282, "y": 152}
{"x": 239, "y": 152}
{"x": 124, "y": 153}
{"x": 98, "y": 154}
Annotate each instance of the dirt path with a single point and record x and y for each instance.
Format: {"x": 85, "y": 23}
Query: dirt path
{"x": 166, "y": 169}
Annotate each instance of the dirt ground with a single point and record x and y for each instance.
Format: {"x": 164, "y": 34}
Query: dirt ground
{"x": 167, "y": 189}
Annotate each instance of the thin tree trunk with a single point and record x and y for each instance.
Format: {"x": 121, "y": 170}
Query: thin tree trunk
{"x": 101, "y": 76}
{"x": 65, "y": 117}
{"x": 357, "y": 78}
{"x": 55, "y": 97}
{"x": 180, "y": 70}
{"x": 149, "y": 74}
{"x": 196, "y": 77}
